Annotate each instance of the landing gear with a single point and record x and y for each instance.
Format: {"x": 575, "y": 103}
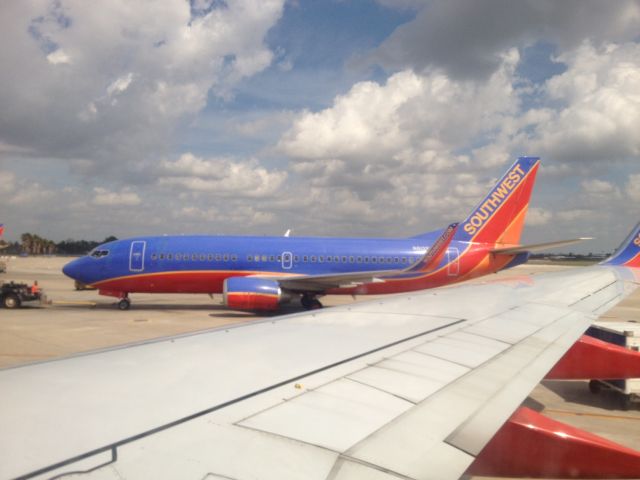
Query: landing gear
{"x": 124, "y": 303}
{"x": 310, "y": 302}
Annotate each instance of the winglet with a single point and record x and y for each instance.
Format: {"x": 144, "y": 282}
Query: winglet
{"x": 434, "y": 255}
{"x": 499, "y": 217}
{"x": 628, "y": 253}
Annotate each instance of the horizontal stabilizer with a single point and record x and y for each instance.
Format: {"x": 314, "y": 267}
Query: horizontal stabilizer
{"x": 536, "y": 247}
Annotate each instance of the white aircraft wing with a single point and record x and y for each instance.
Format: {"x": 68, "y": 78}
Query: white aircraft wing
{"x": 408, "y": 387}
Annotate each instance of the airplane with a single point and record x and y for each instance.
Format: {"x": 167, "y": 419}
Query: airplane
{"x": 408, "y": 386}
{"x": 260, "y": 273}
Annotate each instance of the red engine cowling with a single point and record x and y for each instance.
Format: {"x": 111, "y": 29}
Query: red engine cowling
{"x": 248, "y": 293}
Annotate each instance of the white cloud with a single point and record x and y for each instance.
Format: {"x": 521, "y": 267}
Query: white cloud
{"x": 7, "y": 182}
{"x": 221, "y": 176}
{"x": 58, "y": 57}
{"x": 632, "y": 188}
{"x": 30, "y": 194}
{"x": 538, "y": 216}
{"x": 413, "y": 118}
{"x": 599, "y": 116}
{"x": 104, "y": 197}
{"x": 577, "y": 214}
{"x": 120, "y": 84}
{"x": 598, "y": 187}
{"x": 164, "y": 59}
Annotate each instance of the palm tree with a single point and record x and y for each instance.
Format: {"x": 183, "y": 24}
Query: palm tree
{"x": 27, "y": 242}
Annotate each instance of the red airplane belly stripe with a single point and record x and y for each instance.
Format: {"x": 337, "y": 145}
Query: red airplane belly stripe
{"x": 171, "y": 282}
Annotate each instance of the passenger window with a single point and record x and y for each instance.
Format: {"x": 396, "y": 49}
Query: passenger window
{"x": 203, "y": 257}
{"x": 296, "y": 258}
{"x": 320, "y": 259}
{"x": 218, "y": 257}
{"x": 305, "y": 258}
{"x": 279, "y": 258}
{"x": 210, "y": 257}
{"x": 161, "y": 256}
{"x": 234, "y": 258}
{"x": 359, "y": 259}
{"x": 404, "y": 259}
{"x": 264, "y": 258}
{"x": 313, "y": 258}
{"x": 381, "y": 259}
{"x": 153, "y": 256}
{"x": 336, "y": 259}
{"x": 351, "y": 259}
{"x": 169, "y": 256}
{"x": 272, "y": 258}
{"x": 344, "y": 259}
{"x": 374, "y": 260}
{"x": 178, "y": 256}
{"x": 249, "y": 258}
{"x": 194, "y": 257}
{"x": 225, "y": 258}
{"x": 256, "y": 258}
{"x": 396, "y": 259}
{"x": 388, "y": 259}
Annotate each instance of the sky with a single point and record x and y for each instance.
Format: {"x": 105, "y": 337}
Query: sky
{"x": 333, "y": 118}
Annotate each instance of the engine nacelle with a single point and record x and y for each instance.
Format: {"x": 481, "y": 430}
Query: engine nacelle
{"x": 249, "y": 293}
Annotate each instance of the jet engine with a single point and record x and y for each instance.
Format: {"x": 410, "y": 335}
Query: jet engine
{"x": 250, "y": 293}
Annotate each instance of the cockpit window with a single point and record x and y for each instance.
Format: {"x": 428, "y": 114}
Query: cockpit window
{"x": 99, "y": 253}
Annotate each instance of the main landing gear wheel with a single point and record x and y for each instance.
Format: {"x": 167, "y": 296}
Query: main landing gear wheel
{"x": 124, "y": 304}
{"x": 310, "y": 303}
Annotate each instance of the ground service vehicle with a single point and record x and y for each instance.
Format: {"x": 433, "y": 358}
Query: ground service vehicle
{"x": 12, "y": 294}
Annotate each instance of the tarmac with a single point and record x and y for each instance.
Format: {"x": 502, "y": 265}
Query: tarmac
{"x": 79, "y": 321}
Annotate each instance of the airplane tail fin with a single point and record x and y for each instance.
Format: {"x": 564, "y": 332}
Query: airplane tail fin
{"x": 1, "y": 229}
{"x": 628, "y": 253}
{"x": 499, "y": 217}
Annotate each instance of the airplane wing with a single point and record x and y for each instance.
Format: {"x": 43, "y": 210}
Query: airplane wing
{"x": 410, "y": 386}
{"x": 320, "y": 283}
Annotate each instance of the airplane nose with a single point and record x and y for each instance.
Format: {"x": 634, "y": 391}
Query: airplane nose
{"x": 71, "y": 269}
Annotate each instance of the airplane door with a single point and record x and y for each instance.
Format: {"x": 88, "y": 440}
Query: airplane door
{"x": 453, "y": 265}
{"x": 287, "y": 261}
{"x": 136, "y": 256}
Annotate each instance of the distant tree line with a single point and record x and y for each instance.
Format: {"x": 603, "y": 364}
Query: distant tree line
{"x": 32, "y": 244}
